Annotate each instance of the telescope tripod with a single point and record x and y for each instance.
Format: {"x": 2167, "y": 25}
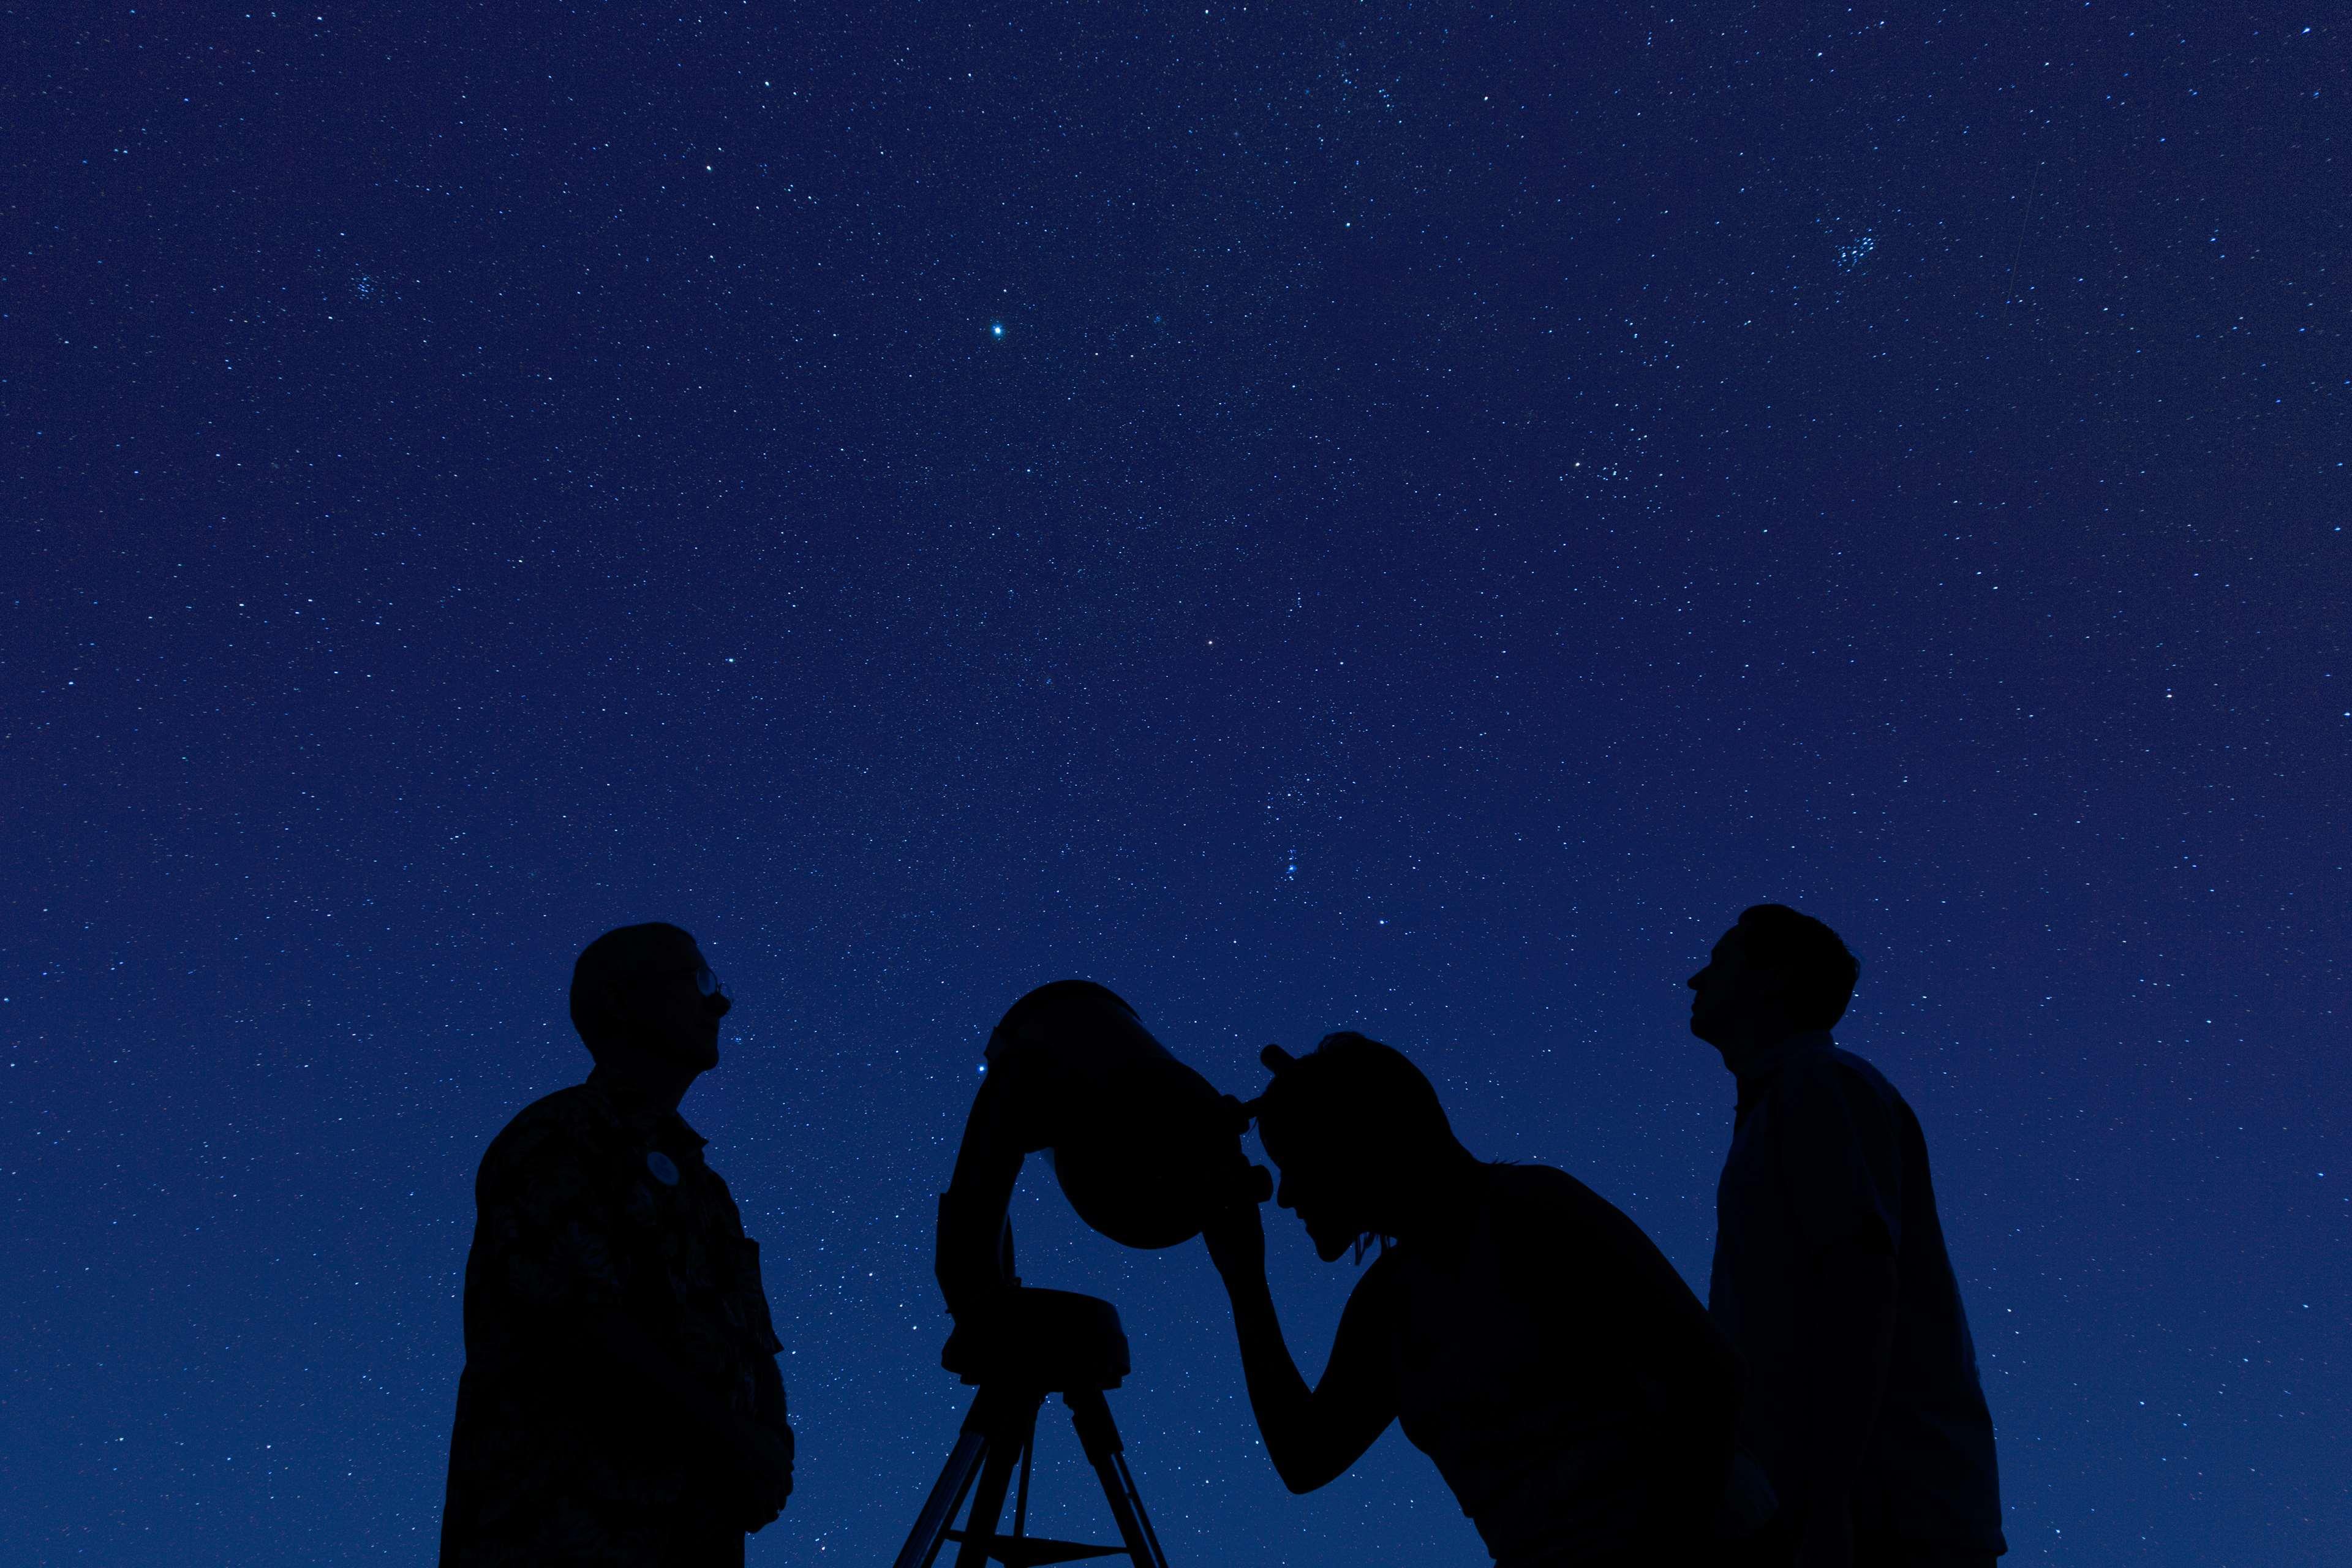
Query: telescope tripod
{"x": 1000, "y": 1432}
{"x": 1038, "y": 1343}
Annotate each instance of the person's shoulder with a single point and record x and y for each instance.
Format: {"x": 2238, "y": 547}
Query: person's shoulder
{"x": 569, "y": 1118}
{"x": 1511, "y": 1180}
{"x": 1561, "y": 1217}
{"x": 1548, "y": 1193}
{"x": 575, "y": 1107}
{"x": 1827, "y": 1096}
{"x": 1831, "y": 1069}
{"x": 1854, "y": 1074}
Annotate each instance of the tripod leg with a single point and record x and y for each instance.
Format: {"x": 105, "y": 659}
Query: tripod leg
{"x": 988, "y": 1501}
{"x": 1090, "y": 1414}
{"x": 946, "y": 1495}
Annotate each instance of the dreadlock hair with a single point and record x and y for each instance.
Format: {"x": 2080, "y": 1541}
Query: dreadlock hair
{"x": 1351, "y": 1089}
{"x": 1351, "y": 1097}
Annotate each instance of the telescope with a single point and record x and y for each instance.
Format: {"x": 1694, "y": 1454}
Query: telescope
{"x": 1146, "y": 1150}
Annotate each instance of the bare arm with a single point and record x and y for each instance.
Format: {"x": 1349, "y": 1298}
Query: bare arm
{"x": 1312, "y": 1435}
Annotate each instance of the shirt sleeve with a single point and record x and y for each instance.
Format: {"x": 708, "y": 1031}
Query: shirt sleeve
{"x": 1837, "y": 1158}
{"x": 750, "y": 1305}
{"x": 544, "y": 1212}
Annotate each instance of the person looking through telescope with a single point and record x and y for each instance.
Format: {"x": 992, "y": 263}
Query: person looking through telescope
{"x": 1531, "y": 1340}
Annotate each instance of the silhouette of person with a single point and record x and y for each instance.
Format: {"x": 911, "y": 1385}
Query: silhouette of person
{"x": 1531, "y": 1339}
{"x": 1831, "y": 1277}
{"x": 1143, "y": 1147}
{"x": 620, "y": 1403}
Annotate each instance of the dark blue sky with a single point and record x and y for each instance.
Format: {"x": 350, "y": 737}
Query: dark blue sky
{"x": 1458, "y": 507}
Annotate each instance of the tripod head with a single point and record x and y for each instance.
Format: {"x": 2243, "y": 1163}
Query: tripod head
{"x": 1049, "y": 1340}
{"x": 1033, "y": 1344}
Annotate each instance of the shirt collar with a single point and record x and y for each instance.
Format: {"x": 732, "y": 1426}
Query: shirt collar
{"x": 1757, "y": 1068}
{"x": 656, "y": 1122}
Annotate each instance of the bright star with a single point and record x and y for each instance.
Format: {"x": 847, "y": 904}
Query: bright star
{"x": 995, "y": 328}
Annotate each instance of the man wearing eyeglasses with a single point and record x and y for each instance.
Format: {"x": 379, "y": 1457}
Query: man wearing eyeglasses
{"x": 620, "y": 1403}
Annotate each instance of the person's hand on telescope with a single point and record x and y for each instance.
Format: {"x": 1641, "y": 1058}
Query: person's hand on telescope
{"x": 1235, "y": 1236}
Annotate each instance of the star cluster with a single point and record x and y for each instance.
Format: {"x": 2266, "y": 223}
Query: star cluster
{"x": 1315, "y": 516}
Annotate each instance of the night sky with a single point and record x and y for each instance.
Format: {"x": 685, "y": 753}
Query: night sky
{"x": 1316, "y": 516}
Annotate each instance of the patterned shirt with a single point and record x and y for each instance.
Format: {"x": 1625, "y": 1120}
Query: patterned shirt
{"x": 593, "y": 1200}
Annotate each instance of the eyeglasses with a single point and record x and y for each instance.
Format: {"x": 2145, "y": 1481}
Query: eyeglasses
{"x": 706, "y": 982}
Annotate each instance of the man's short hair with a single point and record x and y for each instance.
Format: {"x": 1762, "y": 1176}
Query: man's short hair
{"x": 1808, "y": 955}
{"x": 601, "y": 976}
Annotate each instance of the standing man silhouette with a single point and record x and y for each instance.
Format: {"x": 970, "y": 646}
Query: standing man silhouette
{"x": 1831, "y": 1277}
{"x": 620, "y": 1405}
